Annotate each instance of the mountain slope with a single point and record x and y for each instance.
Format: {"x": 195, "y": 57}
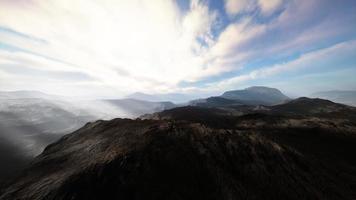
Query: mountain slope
{"x": 315, "y": 107}
{"x": 187, "y": 153}
{"x": 162, "y": 160}
{"x": 215, "y": 102}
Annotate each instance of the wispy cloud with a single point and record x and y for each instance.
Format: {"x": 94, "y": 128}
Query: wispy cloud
{"x": 266, "y": 7}
{"x": 323, "y": 59}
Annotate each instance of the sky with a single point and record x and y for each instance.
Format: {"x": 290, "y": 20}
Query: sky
{"x": 110, "y": 48}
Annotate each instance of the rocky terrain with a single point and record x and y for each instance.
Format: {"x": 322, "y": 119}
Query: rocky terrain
{"x": 303, "y": 149}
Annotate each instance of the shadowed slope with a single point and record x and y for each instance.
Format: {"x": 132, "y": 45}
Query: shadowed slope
{"x": 147, "y": 159}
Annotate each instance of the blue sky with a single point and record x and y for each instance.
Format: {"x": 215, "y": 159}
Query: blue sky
{"x": 114, "y": 48}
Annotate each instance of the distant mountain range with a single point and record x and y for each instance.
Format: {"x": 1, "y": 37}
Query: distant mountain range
{"x": 252, "y": 95}
{"x": 340, "y": 96}
{"x": 257, "y": 95}
{"x": 25, "y": 94}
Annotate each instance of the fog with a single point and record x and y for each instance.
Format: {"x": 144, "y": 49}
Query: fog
{"x": 29, "y": 123}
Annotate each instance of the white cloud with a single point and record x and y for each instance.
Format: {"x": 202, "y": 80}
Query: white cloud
{"x": 234, "y": 7}
{"x": 268, "y": 6}
{"x": 226, "y": 53}
{"x": 235, "y": 35}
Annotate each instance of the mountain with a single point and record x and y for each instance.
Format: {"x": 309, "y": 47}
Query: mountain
{"x": 257, "y": 95}
{"x": 243, "y": 152}
{"x": 226, "y": 116}
{"x": 250, "y": 96}
{"x": 340, "y": 96}
{"x": 30, "y": 120}
{"x": 26, "y": 94}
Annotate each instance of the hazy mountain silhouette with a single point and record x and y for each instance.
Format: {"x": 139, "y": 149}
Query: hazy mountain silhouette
{"x": 341, "y": 96}
{"x": 257, "y": 95}
{"x": 27, "y": 94}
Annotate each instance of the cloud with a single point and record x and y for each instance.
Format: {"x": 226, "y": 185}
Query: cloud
{"x": 235, "y": 37}
{"x": 153, "y": 46}
{"x": 226, "y": 53}
{"x": 154, "y": 41}
{"x": 321, "y": 58}
{"x": 161, "y": 52}
{"x": 297, "y": 30}
{"x": 268, "y": 6}
{"x": 234, "y": 7}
